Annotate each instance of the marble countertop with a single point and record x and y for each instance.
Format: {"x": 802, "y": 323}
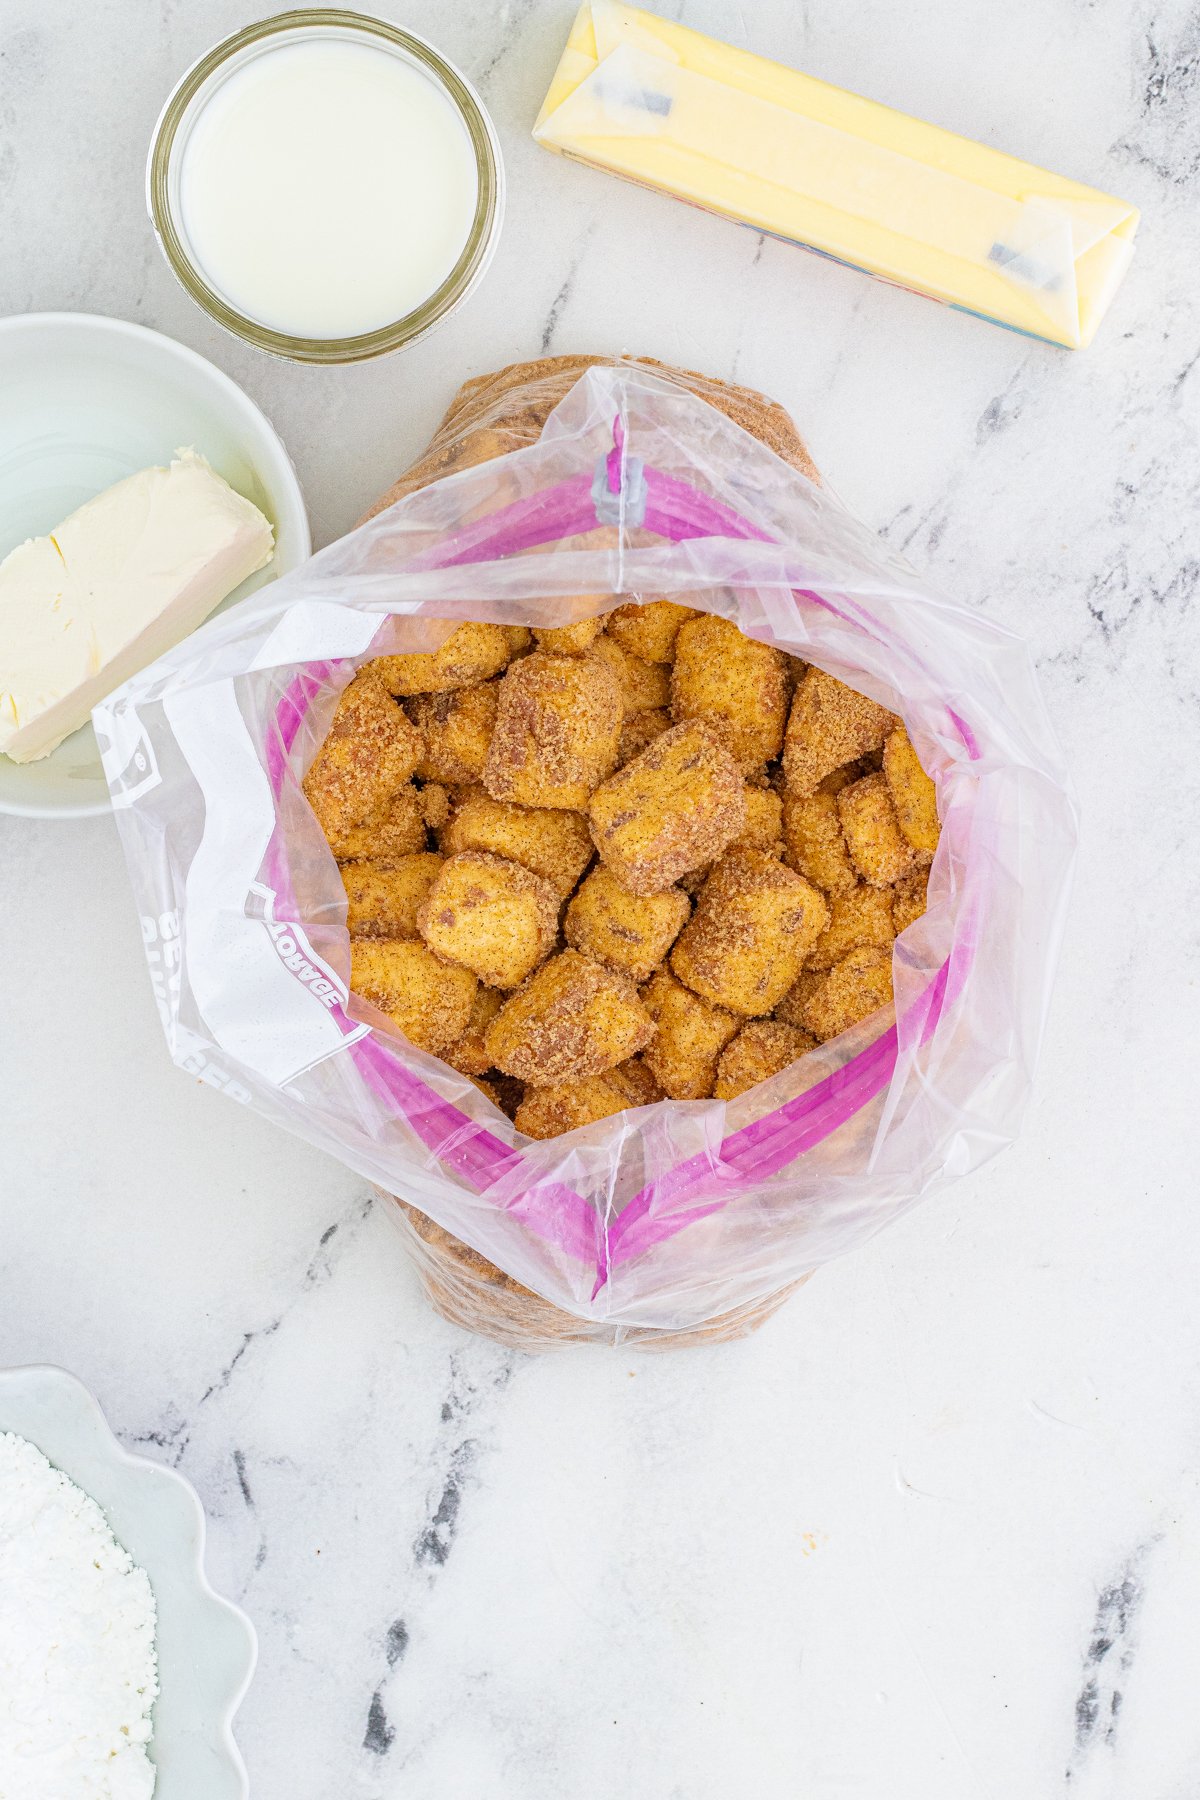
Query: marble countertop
{"x": 934, "y": 1532}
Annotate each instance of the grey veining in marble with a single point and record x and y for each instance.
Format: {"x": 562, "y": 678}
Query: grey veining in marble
{"x": 934, "y": 1533}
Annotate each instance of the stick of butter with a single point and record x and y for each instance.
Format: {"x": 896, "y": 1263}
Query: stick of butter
{"x": 905, "y": 201}
{"x": 118, "y": 583}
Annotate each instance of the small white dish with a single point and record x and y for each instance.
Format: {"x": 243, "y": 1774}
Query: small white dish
{"x": 87, "y": 401}
{"x": 206, "y": 1646}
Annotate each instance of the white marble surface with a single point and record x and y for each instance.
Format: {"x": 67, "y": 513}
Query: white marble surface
{"x": 934, "y": 1533}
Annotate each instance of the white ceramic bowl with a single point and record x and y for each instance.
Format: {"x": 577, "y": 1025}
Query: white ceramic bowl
{"x": 87, "y": 401}
{"x": 206, "y": 1646}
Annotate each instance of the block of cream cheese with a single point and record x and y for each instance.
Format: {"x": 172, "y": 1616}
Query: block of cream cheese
{"x": 123, "y": 579}
{"x": 905, "y": 201}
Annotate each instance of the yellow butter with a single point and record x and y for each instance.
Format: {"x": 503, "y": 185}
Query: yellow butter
{"x": 905, "y": 201}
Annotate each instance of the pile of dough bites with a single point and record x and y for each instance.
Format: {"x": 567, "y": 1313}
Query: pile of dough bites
{"x": 669, "y": 858}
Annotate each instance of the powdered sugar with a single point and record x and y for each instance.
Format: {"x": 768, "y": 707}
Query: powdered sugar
{"x": 78, "y": 1669}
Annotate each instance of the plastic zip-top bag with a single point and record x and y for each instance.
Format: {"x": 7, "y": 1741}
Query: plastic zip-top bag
{"x": 670, "y": 1219}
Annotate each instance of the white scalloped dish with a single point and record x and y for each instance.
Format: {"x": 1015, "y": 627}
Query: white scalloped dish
{"x": 206, "y": 1646}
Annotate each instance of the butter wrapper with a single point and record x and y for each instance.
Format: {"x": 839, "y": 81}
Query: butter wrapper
{"x": 904, "y": 201}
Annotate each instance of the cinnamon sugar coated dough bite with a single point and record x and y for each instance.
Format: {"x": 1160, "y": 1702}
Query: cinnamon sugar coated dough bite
{"x": 689, "y": 1037}
{"x": 491, "y": 916}
{"x": 814, "y": 845}
{"x": 734, "y": 681}
{"x": 854, "y": 988}
{"x": 829, "y": 724}
{"x": 558, "y": 727}
{"x": 436, "y": 803}
{"x": 636, "y": 1080}
{"x": 649, "y": 631}
{"x": 755, "y": 922}
{"x": 913, "y": 793}
{"x": 468, "y": 1054}
{"x": 471, "y": 653}
{"x": 554, "y": 843}
{"x": 383, "y": 898}
{"x": 571, "y": 1017}
{"x": 790, "y": 1010}
{"x": 456, "y": 728}
{"x": 676, "y": 806}
{"x": 570, "y": 640}
{"x": 641, "y": 729}
{"x": 861, "y": 917}
{"x": 644, "y": 685}
{"x": 763, "y": 1048}
{"x": 909, "y": 898}
{"x": 370, "y": 750}
{"x": 628, "y": 931}
{"x": 397, "y": 830}
{"x": 764, "y": 821}
{"x": 559, "y": 1106}
{"x": 878, "y": 848}
{"x": 429, "y": 1001}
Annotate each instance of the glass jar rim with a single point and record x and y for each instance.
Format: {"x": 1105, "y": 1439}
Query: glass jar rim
{"x": 481, "y": 238}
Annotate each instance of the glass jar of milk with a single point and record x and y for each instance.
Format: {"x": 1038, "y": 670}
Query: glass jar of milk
{"x": 326, "y": 185}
